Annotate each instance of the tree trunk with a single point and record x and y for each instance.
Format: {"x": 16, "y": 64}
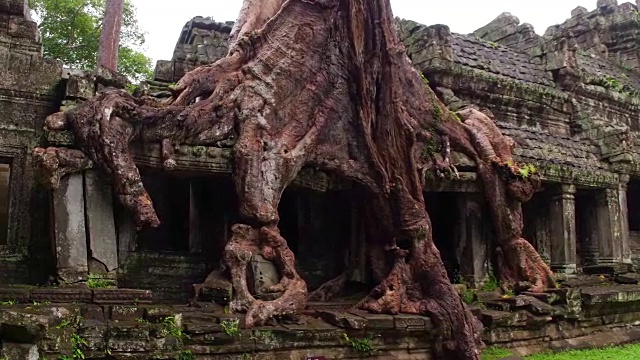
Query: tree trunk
{"x": 324, "y": 83}
{"x": 110, "y": 35}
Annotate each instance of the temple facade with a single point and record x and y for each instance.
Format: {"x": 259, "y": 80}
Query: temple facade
{"x": 569, "y": 99}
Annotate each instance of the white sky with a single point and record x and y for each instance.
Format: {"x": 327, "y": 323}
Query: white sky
{"x": 164, "y": 22}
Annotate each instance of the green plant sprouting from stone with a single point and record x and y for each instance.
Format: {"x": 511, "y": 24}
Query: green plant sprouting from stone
{"x": 97, "y": 281}
{"x": 172, "y": 328}
{"x": 186, "y": 355}
{"x": 491, "y": 284}
{"x": 76, "y": 343}
{"x": 527, "y": 170}
{"x": 363, "y": 346}
{"x": 231, "y": 327}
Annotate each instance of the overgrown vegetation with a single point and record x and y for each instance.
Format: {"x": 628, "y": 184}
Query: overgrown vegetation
{"x": 362, "y": 346}
{"x": 231, "y": 327}
{"x": 172, "y": 328}
{"x": 98, "y": 281}
{"x": 527, "y": 170}
{"x": 70, "y": 32}
{"x": 186, "y": 355}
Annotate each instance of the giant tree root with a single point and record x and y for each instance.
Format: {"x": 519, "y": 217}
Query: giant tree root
{"x": 54, "y": 163}
{"x": 244, "y": 243}
{"x": 322, "y": 83}
{"x": 506, "y": 188}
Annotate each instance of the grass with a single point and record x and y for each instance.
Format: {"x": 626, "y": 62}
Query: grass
{"x": 629, "y": 352}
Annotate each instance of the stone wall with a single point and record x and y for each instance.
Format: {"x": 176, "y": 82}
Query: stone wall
{"x": 29, "y": 88}
{"x": 122, "y": 324}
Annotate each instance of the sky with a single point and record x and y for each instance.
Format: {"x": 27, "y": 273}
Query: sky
{"x": 163, "y": 20}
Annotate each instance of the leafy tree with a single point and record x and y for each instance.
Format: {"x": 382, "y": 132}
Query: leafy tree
{"x": 70, "y": 31}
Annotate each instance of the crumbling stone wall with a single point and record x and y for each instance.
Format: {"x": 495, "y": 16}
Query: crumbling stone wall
{"x": 28, "y": 93}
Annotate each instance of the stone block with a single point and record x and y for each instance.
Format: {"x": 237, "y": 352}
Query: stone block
{"x": 578, "y": 11}
{"x": 80, "y": 87}
{"x": 122, "y": 296}
{"x": 61, "y": 296}
{"x": 20, "y": 351}
{"x": 343, "y": 319}
{"x": 14, "y": 7}
{"x": 93, "y": 313}
{"x": 21, "y": 327}
{"x": 101, "y": 227}
{"x": 263, "y": 274}
{"x": 120, "y": 313}
{"x": 18, "y": 295}
{"x": 163, "y": 71}
{"x": 375, "y": 321}
{"x": 19, "y": 27}
{"x": 604, "y": 3}
{"x": 610, "y": 294}
{"x": 628, "y": 278}
{"x": 94, "y": 333}
{"x": 69, "y": 230}
{"x": 412, "y": 322}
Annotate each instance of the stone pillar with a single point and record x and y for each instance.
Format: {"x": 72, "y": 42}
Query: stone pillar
{"x": 101, "y": 228}
{"x": 471, "y": 247}
{"x": 563, "y": 229}
{"x": 624, "y": 226}
{"x": 69, "y": 230}
{"x": 609, "y": 227}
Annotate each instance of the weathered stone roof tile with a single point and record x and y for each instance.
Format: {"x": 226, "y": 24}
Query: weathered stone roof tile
{"x": 497, "y": 59}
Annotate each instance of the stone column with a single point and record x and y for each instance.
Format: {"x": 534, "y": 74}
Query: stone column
{"x": 101, "y": 228}
{"x": 624, "y": 226}
{"x": 609, "y": 229}
{"x": 69, "y": 230}
{"x": 471, "y": 247}
{"x": 563, "y": 229}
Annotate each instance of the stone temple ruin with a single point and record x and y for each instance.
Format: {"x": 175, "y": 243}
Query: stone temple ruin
{"x": 569, "y": 98}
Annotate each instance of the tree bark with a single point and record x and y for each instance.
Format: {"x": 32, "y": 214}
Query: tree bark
{"x": 324, "y": 83}
{"x": 110, "y": 35}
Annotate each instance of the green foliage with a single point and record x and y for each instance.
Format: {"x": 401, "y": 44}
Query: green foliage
{"x": 231, "y": 327}
{"x": 468, "y": 294}
{"x": 363, "y": 346}
{"x": 493, "y": 44}
{"x": 527, "y": 170}
{"x": 97, "y": 281}
{"x": 8, "y": 302}
{"x": 64, "y": 324}
{"x": 186, "y": 355}
{"x": 76, "y": 342}
{"x": 171, "y": 328}
{"x": 491, "y": 284}
{"x": 70, "y": 32}
{"x": 509, "y": 293}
